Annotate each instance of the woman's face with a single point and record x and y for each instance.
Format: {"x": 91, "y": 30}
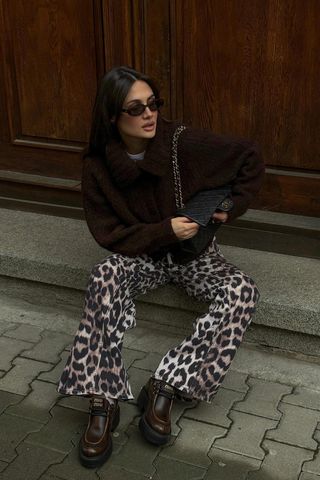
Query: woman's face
{"x": 142, "y": 126}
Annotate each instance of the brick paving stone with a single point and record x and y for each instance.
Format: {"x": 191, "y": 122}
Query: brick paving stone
{"x": 245, "y": 435}
{"x": 217, "y": 412}
{"x": 49, "y": 347}
{"x": 17, "y": 380}
{"x": 137, "y": 455}
{"x": 12, "y": 431}
{"x": 112, "y": 472}
{"x": 130, "y": 356}
{"x": 193, "y": 443}
{"x": 10, "y": 348}
{"x": 132, "y": 335}
{"x": 263, "y": 399}
{"x": 155, "y": 341}
{"x": 7, "y": 399}
{"x": 70, "y": 469}
{"x": 54, "y": 374}
{"x": 281, "y": 462}
{"x": 305, "y": 397}
{"x": 75, "y": 402}
{"x": 230, "y": 466}
{"x": 313, "y": 466}
{"x": 28, "y": 333}
{"x": 3, "y": 465}
{"x": 66, "y": 426}
{"x": 168, "y": 469}
{"x": 37, "y": 404}
{"x": 137, "y": 379}
{"x": 6, "y": 326}
{"x": 308, "y": 476}
{"x": 236, "y": 381}
{"x": 150, "y": 362}
{"x": 31, "y": 462}
{"x": 296, "y": 426}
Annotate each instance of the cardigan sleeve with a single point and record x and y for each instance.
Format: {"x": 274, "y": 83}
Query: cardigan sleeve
{"x": 213, "y": 160}
{"x": 116, "y": 235}
{"x": 248, "y": 180}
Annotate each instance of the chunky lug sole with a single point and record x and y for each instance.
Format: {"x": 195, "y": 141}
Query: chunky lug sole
{"x": 149, "y": 433}
{"x": 98, "y": 460}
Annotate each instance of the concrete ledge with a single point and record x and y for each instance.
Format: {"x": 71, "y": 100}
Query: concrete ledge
{"x": 60, "y": 251}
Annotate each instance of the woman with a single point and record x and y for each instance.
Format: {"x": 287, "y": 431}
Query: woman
{"x": 129, "y": 202}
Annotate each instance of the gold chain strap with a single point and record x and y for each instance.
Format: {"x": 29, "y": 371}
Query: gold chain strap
{"x": 176, "y": 170}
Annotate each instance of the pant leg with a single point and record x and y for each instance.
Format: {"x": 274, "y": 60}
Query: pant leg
{"x": 95, "y": 364}
{"x": 199, "y": 364}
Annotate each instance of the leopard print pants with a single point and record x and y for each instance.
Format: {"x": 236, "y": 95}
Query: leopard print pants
{"x": 199, "y": 364}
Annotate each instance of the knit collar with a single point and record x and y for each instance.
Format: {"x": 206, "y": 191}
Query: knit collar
{"x": 156, "y": 161}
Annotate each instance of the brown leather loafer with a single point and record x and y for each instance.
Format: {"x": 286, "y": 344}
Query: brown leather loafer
{"x": 156, "y": 400}
{"x": 95, "y": 446}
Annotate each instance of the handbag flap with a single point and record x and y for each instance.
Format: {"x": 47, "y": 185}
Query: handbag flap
{"x": 202, "y": 205}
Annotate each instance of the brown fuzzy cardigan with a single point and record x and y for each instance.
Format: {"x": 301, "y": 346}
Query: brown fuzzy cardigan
{"x": 129, "y": 205}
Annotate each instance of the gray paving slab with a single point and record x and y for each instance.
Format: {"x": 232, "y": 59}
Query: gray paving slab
{"x": 308, "y": 476}
{"x": 70, "y": 469}
{"x": 236, "y": 381}
{"x": 113, "y": 472}
{"x": 150, "y": 362}
{"x": 49, "y": 347}
{"x": 276, "y": 367}
{"x": 3, "y": 465}
{"x": 313, "y": 466}
{"x": 131, "y": 356}
{"x": 30, "y": 462}
{"x": 193, "y": 443}
{"x": 38, "y": 403}
{"x": 62, "y": 431}
{"x": 7, "y": 399}
{"x": 296, "y": 427}
{"x": 245, "y": 435}
{"x": 53, "y": 375}
{"x": 281, "y": 462}
{"x": 263, "y": 398}
{"x": 5, "y": 326}
{"x": 137, "y": 378}
{"x": 24, "y": 370}
{"x": 156, "y": 341}
{"x": 303, "y": 397}
{"x": 217, "y": 412}
{"x": 12, "y": 431}
{"x": 75, "y": 402}
{"x": 28, "y": 333}
{"x": 136, "y": 455}
{"x": 128, "y": 414}
{"x": 167, "y": 469}
{"x": 10, "y": 348}
{"x": 230, "y": 466}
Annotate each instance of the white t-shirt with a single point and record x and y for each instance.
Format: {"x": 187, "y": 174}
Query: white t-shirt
{"x": 136, "y": 156}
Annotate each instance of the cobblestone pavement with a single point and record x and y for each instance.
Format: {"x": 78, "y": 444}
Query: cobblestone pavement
{"x": 255, "y": 429}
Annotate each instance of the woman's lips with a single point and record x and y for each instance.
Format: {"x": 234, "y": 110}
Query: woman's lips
{"x": 149, "y": 127}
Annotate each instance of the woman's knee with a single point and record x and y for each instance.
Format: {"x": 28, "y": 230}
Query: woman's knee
{"x": 109, "y": 268}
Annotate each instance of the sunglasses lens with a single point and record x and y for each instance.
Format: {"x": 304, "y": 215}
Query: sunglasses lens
{"x": 139, "y": 108}
{"x": 136, "y": 110}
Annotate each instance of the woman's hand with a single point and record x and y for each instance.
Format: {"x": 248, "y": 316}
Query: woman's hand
{"x": 184, "y": 228}
{"x": 220, "y": 216}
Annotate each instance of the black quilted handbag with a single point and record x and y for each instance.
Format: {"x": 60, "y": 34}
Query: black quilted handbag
{"x": 199, "y": 209}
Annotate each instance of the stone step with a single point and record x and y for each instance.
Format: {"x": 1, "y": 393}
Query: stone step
{"x": 47, "y": 259}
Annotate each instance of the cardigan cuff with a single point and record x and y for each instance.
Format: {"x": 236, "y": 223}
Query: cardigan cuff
{"x": 166, "y": 234}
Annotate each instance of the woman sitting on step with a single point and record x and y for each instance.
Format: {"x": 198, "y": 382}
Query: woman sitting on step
{"x": 129, "y": 202}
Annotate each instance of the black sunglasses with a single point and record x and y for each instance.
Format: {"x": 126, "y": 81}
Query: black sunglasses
{"x": 139, "y": 108}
